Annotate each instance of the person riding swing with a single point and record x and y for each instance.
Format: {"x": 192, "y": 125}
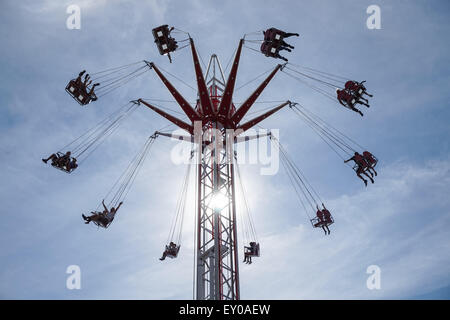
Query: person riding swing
{"x": 62, "y": 161}
{"x": 361, "y": 167}
{"x": 171, "y": 251}
{"x": 323, "y": 219}
{"x": 348, "y": 100}
{"x": 249, "y": 252}
{"x": 102, "y": 218}
{"x": 371, "y": 161}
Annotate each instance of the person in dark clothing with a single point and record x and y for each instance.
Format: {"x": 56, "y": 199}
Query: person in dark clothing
{"x": 361, "y": 167}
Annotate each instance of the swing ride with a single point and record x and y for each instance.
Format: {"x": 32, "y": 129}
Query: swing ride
{"x": 214, "y": 124}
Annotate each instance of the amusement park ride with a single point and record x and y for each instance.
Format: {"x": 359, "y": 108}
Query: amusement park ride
{"x": 214, "y": 126}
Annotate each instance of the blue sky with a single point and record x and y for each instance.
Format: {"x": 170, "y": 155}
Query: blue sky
{"x": 400, "y": 223}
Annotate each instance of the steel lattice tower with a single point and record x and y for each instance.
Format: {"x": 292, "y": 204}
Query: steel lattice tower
{"x": 217, "y": 276}
{"x": 215, "y": 128}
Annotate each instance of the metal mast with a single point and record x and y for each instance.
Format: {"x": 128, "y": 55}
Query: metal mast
{"x": 215, "y": 125}
{"x": 217, "y": 276}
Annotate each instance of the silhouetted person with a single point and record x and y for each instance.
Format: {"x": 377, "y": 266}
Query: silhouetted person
{"x": 361, "y": 166}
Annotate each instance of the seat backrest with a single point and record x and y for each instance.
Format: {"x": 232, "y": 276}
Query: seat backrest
{"x": 257, "y": 250}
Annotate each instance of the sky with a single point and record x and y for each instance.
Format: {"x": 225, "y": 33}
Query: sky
{"x": 399, "y": 224}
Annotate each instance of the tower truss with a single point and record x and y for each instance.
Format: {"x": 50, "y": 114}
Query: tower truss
{"x": 215, "y": 125}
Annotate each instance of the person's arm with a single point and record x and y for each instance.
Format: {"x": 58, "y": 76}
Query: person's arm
{"x": 340, "y": 101}
{"x": 103, "y": 203}
{"x": 345, "y": 161}
{"x": 119, "y": 206}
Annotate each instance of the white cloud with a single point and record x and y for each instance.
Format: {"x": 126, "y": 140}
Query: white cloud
{"x": 400, "y": 223}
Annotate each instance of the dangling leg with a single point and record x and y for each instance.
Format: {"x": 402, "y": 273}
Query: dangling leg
{"x": 327, "y": 229}
{"x": 363, "y": 103}
{"x": 368, "y": 170}
{"x": 367, "y": 94}
{"x": 284, "y": 48}
{"x": 364, "y": 173}
{"x": 358, "y": 173}
{"x": 361, "y": 98}
{"x": 285, "y": 44}
{"x": 53, "y": 157}
{"x": 374, "y": 171}
{"x": 357, "y": 110}
{"x": 86, "y": 219}
{"x": 323, "y": 228}
{"x": 290, "y": 34}
{"x": 163, "y": 256}
{"x": 280, "y": 57}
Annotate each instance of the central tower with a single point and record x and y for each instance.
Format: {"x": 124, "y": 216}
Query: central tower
{"x": 217, "y": 276}
{"x": 215, "y": 125}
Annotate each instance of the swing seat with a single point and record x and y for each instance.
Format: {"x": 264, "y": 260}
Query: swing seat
{"x": 356, "y": 166}
{"x": 163, "y": 40}
{"x": 319, "y": 223}
{"x": 269, "y": 49}
{"x": 172, "y": 252}
{"x": 79, "y": 93}
{"x": 273, "y": 35}
{"x": 252, "y": 252}
{"x": 103, "y": 222}
{"x": 375, "y": 162}
{"x": 62, "y": 168}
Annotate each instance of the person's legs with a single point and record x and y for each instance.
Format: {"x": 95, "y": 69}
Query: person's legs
{"x": 95, "y": 217}
{"x": 368, "y": 171}
{"x": 358, "y": 173}
{"x": 371, "y": 171}
{"x": 361, "y": 98}
{"x": 364, "y": 173}
{"x": 357, "y": 111}
{"x": 52, "y": 157}
{"x": 326, "y": 226}
{"x": 363, "y": 103}
{"x": 374, "y": 171}
{"x": 366, "y": 93}
{"x": 163, "y": 256}
{"x": 91, "y": 91}
{"x": 290, "y": 34}
{"x": 86, "y": 219}
{"x": 281, "y": 57}
{"x": 323, "y": 228}
{"x": 285, "y": 44}
{"x": 284, "y": 48}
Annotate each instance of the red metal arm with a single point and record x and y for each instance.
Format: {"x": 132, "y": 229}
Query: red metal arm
{"x": 205, "y": 100}
{"x": 240, "y": 113}
{"x": 188, "y": 110}
{"x": 227, "y": 96}
{"x": 174, "y": 120}
{"x": 251, "y": 123}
